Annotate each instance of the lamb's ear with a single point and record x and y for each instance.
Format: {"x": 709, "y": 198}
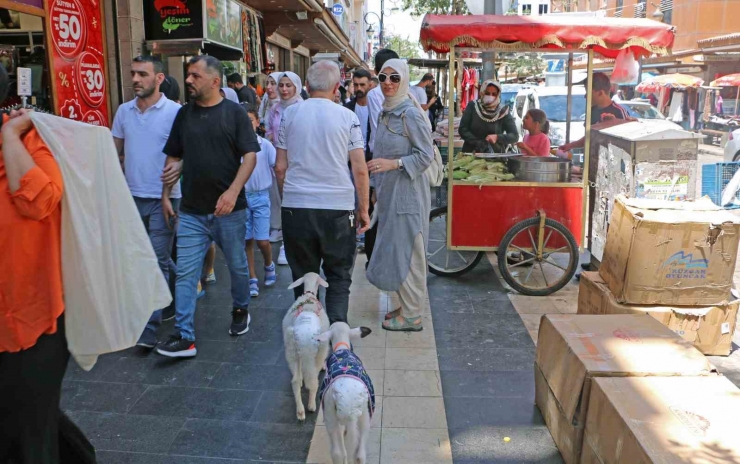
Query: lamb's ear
{"x": 360, "y": 332}
{"x": 324, "y": 337}
{"x": 295, "y": 284}
{"x": 322, "y": 282}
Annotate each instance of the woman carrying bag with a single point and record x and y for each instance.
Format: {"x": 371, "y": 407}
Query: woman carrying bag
{"x": 403, "y": 152}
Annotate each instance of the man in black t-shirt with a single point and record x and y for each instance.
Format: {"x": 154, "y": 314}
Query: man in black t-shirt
{"x": 245, "y": 93}
{"x": 215, "y": 141}
{"x": 603, "y": 109}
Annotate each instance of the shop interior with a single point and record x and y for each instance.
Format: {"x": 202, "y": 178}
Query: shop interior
{"x": 23, "y": 45}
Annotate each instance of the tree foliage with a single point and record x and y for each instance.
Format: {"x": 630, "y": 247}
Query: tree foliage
{"x": 422, "y": 7}
{"x": 525, "y": 64}
{"x": 406, "y": 49}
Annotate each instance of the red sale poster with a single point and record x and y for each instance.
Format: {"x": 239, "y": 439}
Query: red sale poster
{"x": 78, "y": 65}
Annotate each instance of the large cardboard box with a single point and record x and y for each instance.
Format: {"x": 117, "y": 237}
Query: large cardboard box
{"x": 709, "y": 328}
{"x": 574, "y": 349}
{"x": 670, "y": 253}
{"x": 663, "y": 420}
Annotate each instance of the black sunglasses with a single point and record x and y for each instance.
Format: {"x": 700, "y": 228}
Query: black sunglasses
{"x": 395, "y": 78}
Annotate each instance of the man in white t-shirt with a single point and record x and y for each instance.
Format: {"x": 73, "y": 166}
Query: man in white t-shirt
{"x": 317, "y": 143}
{"x": 419, "y": 91}
{"x": 140, "y": 131}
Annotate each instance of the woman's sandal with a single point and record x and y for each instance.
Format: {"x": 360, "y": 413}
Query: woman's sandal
{"x": 403, "y": 324}
{"x": 393, "y": 314}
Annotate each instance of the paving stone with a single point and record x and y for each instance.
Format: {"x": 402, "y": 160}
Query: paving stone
{"x": 478, "y": 445}
{"x": 116, "y": 457}
{"x": 126, "y": 432}
{"x": 278, "y": 407}
{"x": 243, "y": 440}
{"x": 484, "y": 412}
{"x": 204, "y": 403}
{"x": 249, "y": 377}
{"x": 497, "y": 384}
{"x": 160, "y": 370}
{"x": 100, "y": 397}
{"x": 479, "y": 359}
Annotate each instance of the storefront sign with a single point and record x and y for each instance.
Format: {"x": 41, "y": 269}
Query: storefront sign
{"x": 173, "y": 19}
{"x": 224, "y": 24}
{"x": 78, "y": 64}
{"x": 337, "y": 9}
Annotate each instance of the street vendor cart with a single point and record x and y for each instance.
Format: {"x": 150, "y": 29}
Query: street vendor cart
{"x": 536, "y": 223}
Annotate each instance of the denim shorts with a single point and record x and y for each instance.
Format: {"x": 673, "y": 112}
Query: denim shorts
{"x": 258, "y": 215}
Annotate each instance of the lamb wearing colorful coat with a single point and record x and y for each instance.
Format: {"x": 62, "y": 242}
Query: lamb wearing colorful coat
{"x": 347, "y": 396}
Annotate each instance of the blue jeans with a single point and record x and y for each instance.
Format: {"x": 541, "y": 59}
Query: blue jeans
{"x": 161, "y": 236}
{"x": 194, "y": 235}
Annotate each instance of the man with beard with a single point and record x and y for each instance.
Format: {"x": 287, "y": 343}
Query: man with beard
{"x": 214, "y": 139}
{"x": 140, "y": 130}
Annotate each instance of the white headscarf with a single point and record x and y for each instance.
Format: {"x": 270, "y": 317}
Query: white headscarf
{"x": 403, "y": 94}
{"x": 268, "y": 102}
{"x": 230, "y": 94}
{"x": 298, "y": 86}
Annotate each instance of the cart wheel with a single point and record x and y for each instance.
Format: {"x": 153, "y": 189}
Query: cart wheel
{"x": 444, "y": 262}
{"x": 532, "y": 275}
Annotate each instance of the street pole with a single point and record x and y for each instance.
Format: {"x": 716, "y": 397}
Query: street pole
{"x": 489, "y": 58}
{"x": 380, "y": 33}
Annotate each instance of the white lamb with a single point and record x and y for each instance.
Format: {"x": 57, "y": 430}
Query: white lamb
{"x": 303, "y": 323}
{"x": 347, "y": 396}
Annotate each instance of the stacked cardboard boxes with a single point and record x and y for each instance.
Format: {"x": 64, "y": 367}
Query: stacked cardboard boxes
{"x": 573, "y": 351}
{"x": 674, "y": 261}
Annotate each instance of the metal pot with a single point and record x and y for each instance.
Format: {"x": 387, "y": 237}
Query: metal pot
{"x": 540, "y": 168}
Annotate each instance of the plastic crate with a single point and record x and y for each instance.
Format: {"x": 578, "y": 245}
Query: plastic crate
{"x": 444, "y": 152}
{"x": 714, "y": 179}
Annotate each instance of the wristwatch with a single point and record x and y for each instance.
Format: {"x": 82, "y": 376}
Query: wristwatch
{"x": 400, "y": 164}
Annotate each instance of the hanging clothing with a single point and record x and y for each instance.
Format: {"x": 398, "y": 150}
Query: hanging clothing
{"x": 675, "y": 113}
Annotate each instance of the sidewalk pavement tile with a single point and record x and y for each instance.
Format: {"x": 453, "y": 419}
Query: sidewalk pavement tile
{"x": 414, "y": 412}
{"x": 415, "y": 446}
{"x": 203, "y": 403}
{"x": 320, "y": 454}
{"x": 412, "y": 383}
{"x": 421, "y": 359}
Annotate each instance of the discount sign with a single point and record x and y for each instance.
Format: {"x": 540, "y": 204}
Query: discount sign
{"x": 75, "y": 29}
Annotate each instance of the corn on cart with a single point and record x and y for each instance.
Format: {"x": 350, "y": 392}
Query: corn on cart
{"x": 536, "y": 226}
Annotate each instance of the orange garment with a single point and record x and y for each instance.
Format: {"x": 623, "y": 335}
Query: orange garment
{"x": 31, "y": 295}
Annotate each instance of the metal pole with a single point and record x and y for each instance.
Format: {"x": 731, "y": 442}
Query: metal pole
{"x": 380, "y": 33}
{"x": 451, "y": 138}
{"x": 492, "y": 7}
{"x": 737, "y": 98}
{"x": 569, "y": 109}
{"x": 587, "y": 147}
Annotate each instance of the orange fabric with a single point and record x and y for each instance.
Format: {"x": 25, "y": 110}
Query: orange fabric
{"x": 31, "y": 296}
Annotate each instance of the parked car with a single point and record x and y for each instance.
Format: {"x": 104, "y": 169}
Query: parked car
{"x": 732, "y": 149}
{"x": 509, "y": 92}
{"x": 554, "y": 102}
{"x": 643, "y": 111}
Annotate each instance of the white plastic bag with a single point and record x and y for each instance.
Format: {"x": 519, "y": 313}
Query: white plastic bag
{"x": 626, "y": 68}
{"x": 112, "y": 282}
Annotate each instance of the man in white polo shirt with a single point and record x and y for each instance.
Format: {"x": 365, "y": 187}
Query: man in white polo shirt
{"x": 140, "y": 130}
{"x": 317, "y": 143}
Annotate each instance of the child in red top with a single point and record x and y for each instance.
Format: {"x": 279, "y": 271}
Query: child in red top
{"x": 536, "y": 142}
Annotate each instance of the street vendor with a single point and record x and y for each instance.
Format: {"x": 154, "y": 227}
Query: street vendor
{"x": 603, "y": 108}
{"x": 487, "y": 122}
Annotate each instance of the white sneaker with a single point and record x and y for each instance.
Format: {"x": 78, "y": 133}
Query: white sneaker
{"x": 276, "y": 235}
{"x": 211, "y": 279}
{"x": 282, "y": 260}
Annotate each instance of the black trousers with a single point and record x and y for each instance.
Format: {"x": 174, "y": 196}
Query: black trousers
{"x": 322, "y": 240}
{"x": 370, "y": 234}
{"x": 33, "y": 430}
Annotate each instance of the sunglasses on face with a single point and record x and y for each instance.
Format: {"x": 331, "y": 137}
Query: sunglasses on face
{"x": 395, "y": 78}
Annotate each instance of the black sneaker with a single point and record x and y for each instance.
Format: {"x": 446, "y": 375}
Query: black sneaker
{"x": 168, "y": 313}
{"x": 178, "y": 347}
{"x": 148, "y": 339}
{"x": 240, "y": 320}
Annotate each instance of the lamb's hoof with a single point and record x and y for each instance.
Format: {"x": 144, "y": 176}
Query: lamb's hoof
{"x": 311, "y": 408}
{"x": 301, "y": 415}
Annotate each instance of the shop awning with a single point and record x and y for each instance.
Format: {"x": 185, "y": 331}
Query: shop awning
{"x": 607, "y": 36}
{"x": 299, "y": 21}
{"x": 729, "y": 42}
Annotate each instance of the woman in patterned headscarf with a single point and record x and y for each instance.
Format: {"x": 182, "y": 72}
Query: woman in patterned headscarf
{"x": 486, "y": 125}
